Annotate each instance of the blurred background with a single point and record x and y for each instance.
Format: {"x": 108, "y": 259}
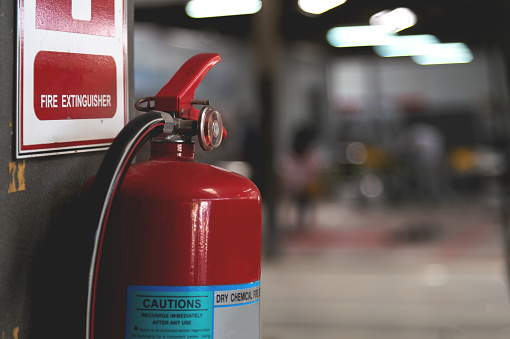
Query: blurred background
{"x": 378, "y": 134}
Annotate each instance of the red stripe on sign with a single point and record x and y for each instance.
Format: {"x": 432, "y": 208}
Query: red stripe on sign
{"x": 63, "y": 145}
{"x": 74, "y": 86}
{"x": 57, "y": 15}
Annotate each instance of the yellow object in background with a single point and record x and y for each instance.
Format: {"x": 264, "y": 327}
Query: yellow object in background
{"x": 462, "y": 159}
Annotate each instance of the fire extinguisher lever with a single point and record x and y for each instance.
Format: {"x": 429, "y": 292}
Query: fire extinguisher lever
{"x": 175, "y": 104}
{"x": 178, "y": 94}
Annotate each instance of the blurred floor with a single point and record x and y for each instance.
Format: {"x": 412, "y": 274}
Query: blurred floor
{"x": 387, "y": 272}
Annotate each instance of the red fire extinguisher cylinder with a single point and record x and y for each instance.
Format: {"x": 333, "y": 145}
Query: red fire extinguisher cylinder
{"x": 177, "y": 222}
{"x": 179, "y": 255}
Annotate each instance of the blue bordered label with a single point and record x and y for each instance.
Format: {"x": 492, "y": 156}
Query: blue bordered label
{"x": 189, "y": 312}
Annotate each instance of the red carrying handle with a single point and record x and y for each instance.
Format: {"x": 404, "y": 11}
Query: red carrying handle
{"x": 178, "y": 93}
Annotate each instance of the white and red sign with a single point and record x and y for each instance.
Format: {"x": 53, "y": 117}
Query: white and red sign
{"x": 72, "y": 77}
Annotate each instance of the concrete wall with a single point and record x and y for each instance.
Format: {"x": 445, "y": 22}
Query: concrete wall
{"x": 44, "y": 250}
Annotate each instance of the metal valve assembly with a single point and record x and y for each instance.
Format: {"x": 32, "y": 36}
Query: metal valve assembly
{"x": 175, "y": 103}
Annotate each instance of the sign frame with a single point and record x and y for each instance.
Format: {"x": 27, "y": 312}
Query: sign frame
{"x": 77, "y": 133}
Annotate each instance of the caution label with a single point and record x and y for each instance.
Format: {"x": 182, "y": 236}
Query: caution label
{"x": 171, "y": 312}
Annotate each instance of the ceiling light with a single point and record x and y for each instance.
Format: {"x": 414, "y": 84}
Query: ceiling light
{"x": 406, "y": 45}
{"x": 318, "y": 6}
{"x": 358, "y": 36}
{"x": 396, "y": 20}
{"x": 452, "y": 53}
{"x": 215, "y": 8}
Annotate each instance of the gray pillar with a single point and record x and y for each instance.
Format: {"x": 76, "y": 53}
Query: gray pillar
{"x": 266, "y": 37}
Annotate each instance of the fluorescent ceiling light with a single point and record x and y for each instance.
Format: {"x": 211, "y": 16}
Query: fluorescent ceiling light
{"x": 318, "y": 6}
{"x": 406, "y": 45}
{"x": 395, "y": 20}
{"x": 452, "y": 53}
{"x": 215, "y": 8}
{"x": 358, "y": 36}
{"x": 425, "y": 49}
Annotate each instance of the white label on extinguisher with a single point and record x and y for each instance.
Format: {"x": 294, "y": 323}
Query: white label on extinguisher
{"x": 171, "y": 312}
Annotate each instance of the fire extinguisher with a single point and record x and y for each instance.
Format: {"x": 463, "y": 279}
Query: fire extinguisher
{"x": 178, "y": 245}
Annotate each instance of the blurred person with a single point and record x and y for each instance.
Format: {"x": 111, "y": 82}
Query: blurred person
{"x": 425, "y": 159}
{"x": 301, "y": 175}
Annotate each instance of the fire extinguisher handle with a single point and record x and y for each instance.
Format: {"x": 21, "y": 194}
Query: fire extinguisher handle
{"x": 105, "y": 185}
{"x": 178, "y": 94}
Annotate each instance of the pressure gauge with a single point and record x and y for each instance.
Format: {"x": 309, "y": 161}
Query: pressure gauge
{"x": 210, "y": 128}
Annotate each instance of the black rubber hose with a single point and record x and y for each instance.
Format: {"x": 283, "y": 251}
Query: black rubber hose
{"x": 105, "y": 185}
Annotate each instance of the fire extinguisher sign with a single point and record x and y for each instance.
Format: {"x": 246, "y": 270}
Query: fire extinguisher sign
{"x": 71, "y": 75}
{"x": 165, "y": 312}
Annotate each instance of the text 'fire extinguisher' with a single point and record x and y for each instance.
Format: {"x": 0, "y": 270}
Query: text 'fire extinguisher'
{"x": 178, "y": 253}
